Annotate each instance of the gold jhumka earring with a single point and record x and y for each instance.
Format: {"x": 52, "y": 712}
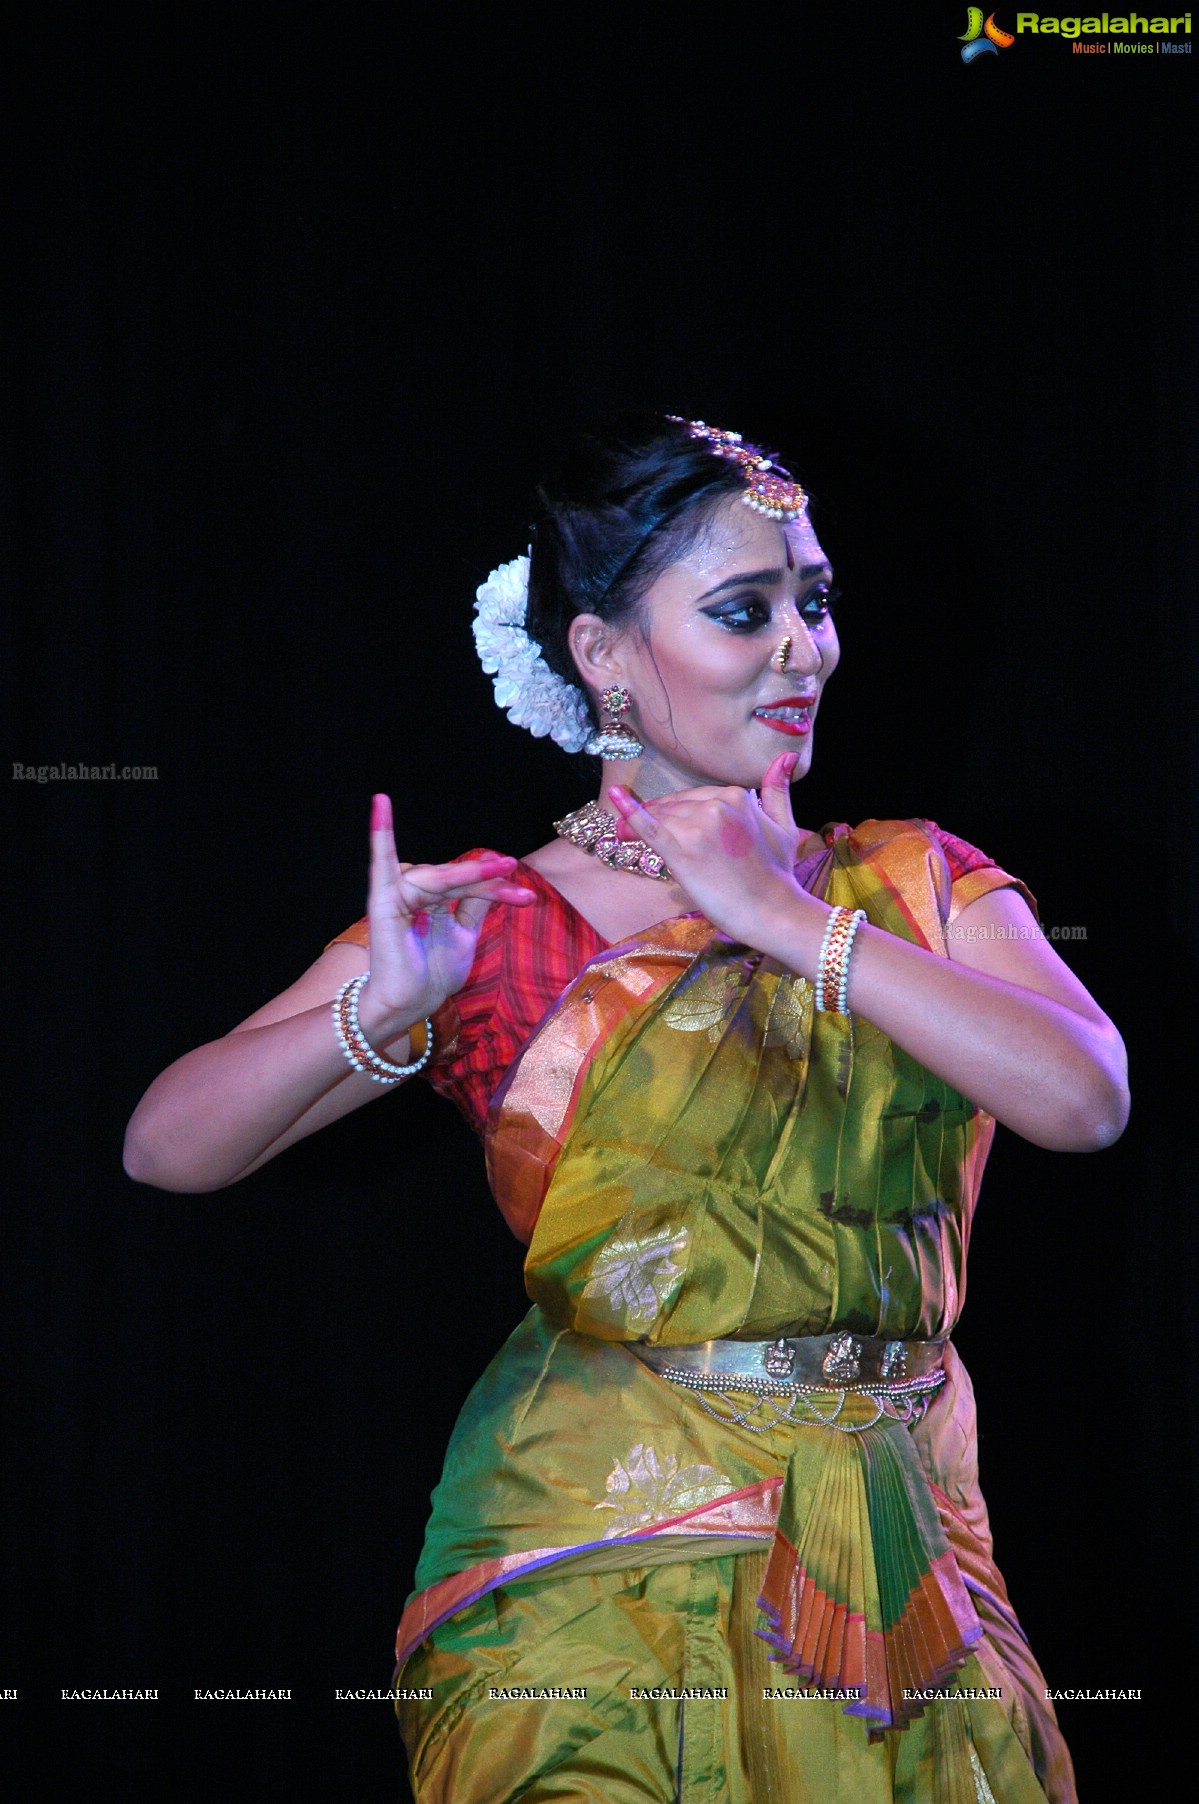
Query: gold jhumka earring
{"x": 614, "y": 739}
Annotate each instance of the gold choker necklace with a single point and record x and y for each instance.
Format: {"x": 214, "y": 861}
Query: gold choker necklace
{"x": 595, "y": 832}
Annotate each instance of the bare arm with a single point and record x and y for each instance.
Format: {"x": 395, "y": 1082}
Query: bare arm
{"x": 1002, "y": 1019}
{"x": 221, "y": 1111}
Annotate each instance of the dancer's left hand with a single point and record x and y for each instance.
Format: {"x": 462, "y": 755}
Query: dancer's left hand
{"x": 733, "y": 856}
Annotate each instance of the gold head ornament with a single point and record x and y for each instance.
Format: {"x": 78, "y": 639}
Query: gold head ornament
{"x": 769, "y": 489}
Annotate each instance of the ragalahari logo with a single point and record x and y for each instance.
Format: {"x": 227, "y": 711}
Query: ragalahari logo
{"x": 983, "y": 38}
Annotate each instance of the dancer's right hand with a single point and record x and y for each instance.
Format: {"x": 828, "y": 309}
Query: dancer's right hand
{"x": 424, "y": 925}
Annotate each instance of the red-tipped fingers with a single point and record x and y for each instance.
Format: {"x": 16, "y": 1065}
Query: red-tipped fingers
{"x": 462, "y": 876}
{"x": 487, "y": 876}
{"x": 776, "y": 789}
{"x": 495, "y": 878}
{"x": 470, "y": 910}
{"x": 518, "y": 893}
{"x": 384, "y": 866}
{"x": 781, "y": 770}
{"x": 630, "y": 809}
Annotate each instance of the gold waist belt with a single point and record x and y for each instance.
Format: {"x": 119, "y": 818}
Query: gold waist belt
{"x": 805, "y": 1362}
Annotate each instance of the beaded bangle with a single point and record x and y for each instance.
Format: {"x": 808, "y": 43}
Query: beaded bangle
{"x": 834, "y": 915}
{"x": 832, "y": 966}
{"x": 357, "y": 1048}
{"x": 843, "y": 985}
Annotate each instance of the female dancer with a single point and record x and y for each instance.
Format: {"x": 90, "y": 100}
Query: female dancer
{"x": 709, "y": 1527}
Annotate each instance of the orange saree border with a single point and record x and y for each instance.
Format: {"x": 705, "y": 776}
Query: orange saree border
{"x": 749, "y": 1514}
{"x": 896, "y": 869}
{"x": 536, "y": 1102}
{"x": 811, "y": 1635}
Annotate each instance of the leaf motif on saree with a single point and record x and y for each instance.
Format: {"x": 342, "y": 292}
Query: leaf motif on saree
{"x": 790, "y": 1023}
{"x": 702, "y": 998}
{"x": 648, "y": 1488}
{"x": 636, "y": 1274}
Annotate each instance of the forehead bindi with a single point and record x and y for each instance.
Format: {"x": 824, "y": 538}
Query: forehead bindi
{"x": 803, "y": 549}
{"x": 739, "y": 542}
{"x": 762, "y": 544}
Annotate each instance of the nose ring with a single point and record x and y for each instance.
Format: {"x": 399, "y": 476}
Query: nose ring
{"x": 780, "y": 657}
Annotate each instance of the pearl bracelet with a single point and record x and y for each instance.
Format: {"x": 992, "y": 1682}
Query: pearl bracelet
{"x": 357, "y": 1048}
{"x": 832, "y": 966}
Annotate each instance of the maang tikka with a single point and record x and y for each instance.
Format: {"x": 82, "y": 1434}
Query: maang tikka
{"x": 769, "y": 489}
{"x": 614, "y": 739}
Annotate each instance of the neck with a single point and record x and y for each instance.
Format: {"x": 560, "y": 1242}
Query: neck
{"x": 648, "y": 776}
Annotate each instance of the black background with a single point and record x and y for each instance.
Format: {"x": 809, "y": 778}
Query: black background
{"x": 299, "y": 309}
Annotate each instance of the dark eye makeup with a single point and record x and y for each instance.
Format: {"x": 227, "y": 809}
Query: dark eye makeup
{"x": 753, "y": 612}
{"x": 820, "y": 603}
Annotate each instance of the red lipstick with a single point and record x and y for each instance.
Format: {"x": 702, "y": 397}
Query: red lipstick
{"x": 791, "y": 715}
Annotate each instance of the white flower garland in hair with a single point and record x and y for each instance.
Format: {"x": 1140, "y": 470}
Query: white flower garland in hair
{"x": 535, "y": 696}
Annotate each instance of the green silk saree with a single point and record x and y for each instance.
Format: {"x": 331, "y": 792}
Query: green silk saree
{"x": 691, "y": 1152}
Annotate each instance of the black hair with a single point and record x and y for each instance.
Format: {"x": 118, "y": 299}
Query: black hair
{"x": 630, "y": 499}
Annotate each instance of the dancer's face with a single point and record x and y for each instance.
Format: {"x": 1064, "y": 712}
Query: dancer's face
{"x": 717, "y": 692}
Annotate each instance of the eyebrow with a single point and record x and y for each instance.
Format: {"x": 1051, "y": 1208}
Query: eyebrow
{"x": 765, "y": 579}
